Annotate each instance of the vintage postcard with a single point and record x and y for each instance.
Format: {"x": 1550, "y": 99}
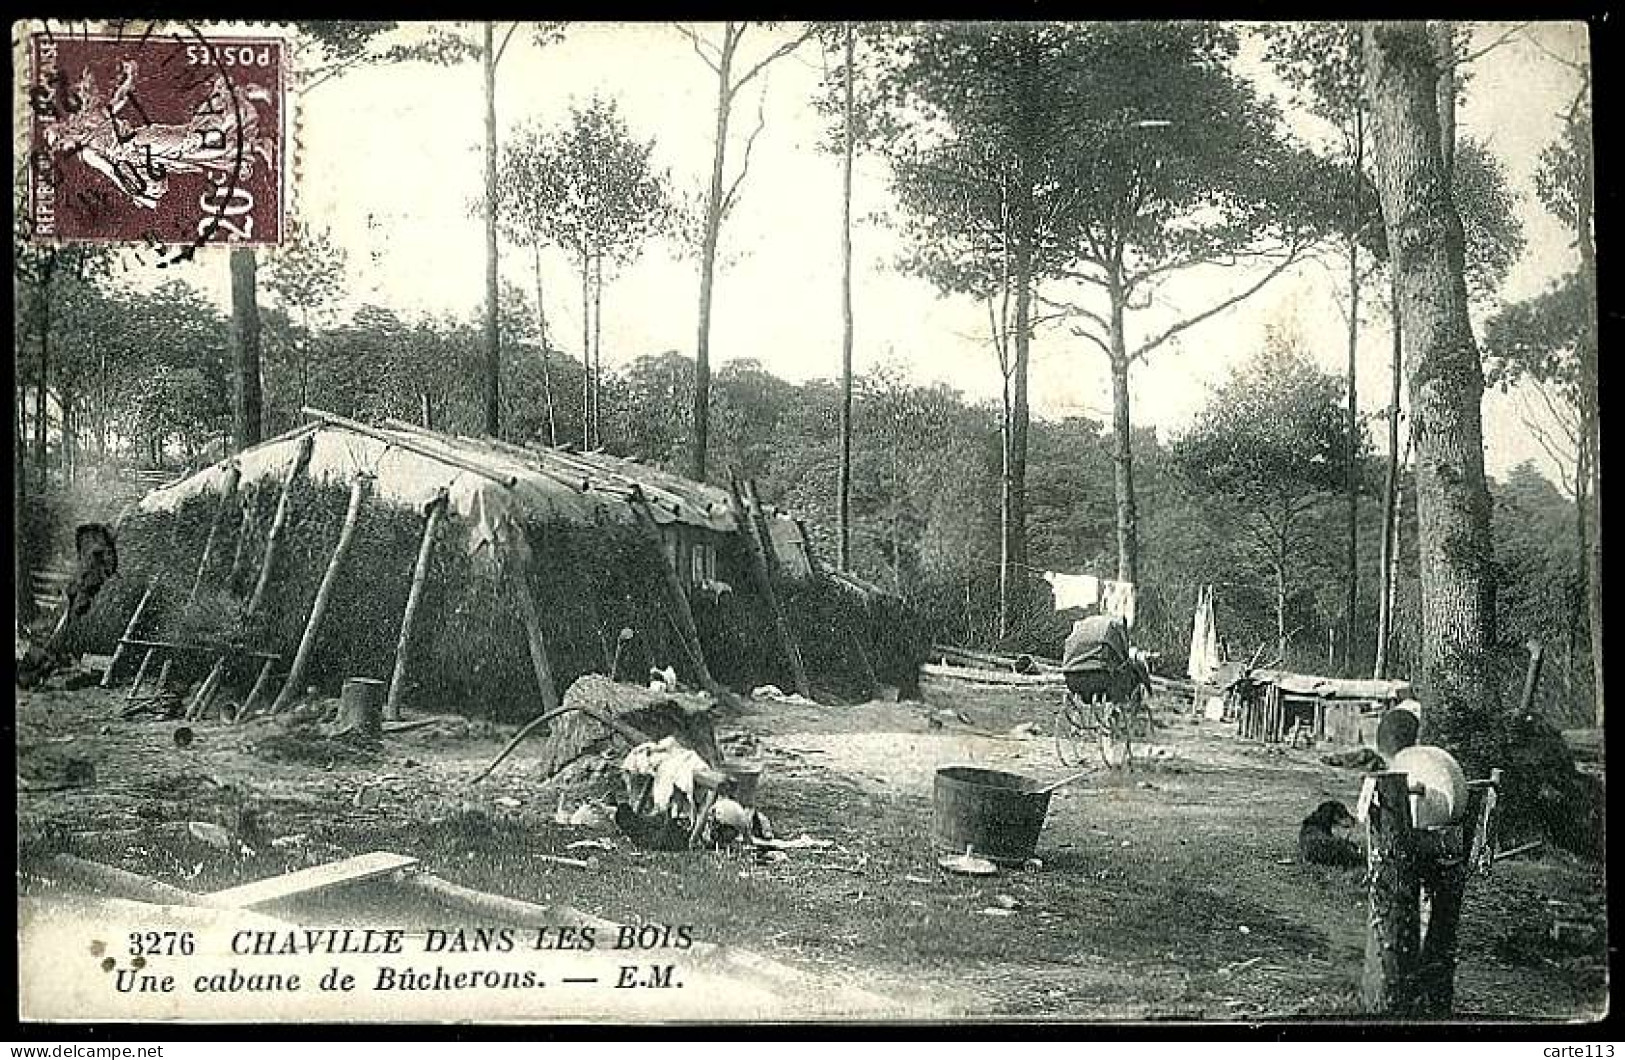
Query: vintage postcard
{"x": 536, "y": 522}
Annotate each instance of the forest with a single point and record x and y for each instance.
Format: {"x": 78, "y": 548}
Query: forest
{"x": 1297, "y": 505}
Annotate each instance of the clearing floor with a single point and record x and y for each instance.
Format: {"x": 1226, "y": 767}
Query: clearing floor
{"x": 1167, "y": 892}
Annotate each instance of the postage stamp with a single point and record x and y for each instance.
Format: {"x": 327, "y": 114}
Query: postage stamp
{"x": 173, "y": 138}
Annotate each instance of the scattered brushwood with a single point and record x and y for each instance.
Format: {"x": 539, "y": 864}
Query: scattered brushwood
{"x": 597, "y": 712}
{"x": 307, "y": 740}
{"x": 53, "y": 767}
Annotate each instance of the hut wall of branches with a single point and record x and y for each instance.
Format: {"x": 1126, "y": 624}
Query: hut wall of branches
{"x": 564, "y": 527}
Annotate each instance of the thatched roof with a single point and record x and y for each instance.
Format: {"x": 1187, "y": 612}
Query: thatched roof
{"x": 486, "y": 482}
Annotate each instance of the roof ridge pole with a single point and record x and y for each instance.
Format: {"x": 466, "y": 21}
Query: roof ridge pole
{"x": 410, "y": 445}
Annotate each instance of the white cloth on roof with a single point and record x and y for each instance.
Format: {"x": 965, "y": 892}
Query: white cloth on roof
{"x": 1117, "y": 598}
{"x": 1203, "y": 666}
{"x": 1073, "y": 590}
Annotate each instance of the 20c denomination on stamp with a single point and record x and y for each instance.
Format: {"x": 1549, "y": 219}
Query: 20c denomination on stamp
{"x": 174, "y": 138}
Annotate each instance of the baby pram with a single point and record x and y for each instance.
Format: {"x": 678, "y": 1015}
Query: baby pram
{"x": 1106, "y": 682}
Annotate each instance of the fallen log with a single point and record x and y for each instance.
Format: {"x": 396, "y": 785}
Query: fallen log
{"x": 979, "y": 676}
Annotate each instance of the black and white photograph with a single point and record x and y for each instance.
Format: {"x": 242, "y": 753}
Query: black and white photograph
{"x": 632, "y": 524}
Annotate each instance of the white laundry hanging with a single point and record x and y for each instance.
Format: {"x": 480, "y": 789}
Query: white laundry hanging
{"x": 1073, "y": 590}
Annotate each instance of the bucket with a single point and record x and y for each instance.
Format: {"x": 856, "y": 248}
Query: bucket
{"x": 744, "y": 777}
{"x": 996, "y": 815}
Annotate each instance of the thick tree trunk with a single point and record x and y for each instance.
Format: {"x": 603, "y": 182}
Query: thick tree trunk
{"x": 708, "y": 258}
{"x": 844, "y": 504}
{"x": 1390, "y": 491}
{"x": 1447, "y": 386}
{"x": 1128, "y": 546}
{"x": 248, "y": 410}
{"x": 493, "y": 347}
{"x": 1591, "y": 439}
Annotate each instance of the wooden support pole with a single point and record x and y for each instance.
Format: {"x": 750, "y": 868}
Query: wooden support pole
{"x": 239, "y": 556}
{"x": 414, "y": 597}
{"x": 129, "y": 631}
{"x": 682, "y": 614}
{"x": 205, "y": 693}
{"x": 528, "y": 613}
{"x": 234, "y": 474}
{"x": 324, "y": 595}
{"x": 1392, "y": 933}
{"x": 753, "y": 529}
{"x": 279, "y": 524}
{"x": 255, "y": 694}
{"x": 140, "y": 676}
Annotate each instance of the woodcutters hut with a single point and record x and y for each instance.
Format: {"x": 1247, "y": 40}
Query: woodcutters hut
{"x": 472, "y": 575}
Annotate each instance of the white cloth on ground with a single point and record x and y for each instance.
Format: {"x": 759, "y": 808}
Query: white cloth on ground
{"x": 1073, "y": 590}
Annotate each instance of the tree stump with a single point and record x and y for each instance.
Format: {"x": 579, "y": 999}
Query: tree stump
{"x": 1393, "y": 935}
{"x": 361, "y": 708}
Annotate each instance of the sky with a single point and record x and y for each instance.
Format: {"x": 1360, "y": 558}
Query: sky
{"x": 389, "y": 164}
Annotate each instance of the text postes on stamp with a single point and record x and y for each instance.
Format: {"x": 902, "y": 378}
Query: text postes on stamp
{"x": 170, "y": 140}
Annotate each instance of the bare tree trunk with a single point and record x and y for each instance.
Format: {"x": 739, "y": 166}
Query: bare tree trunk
{"x": 493, "y": 347}
{"x": 1128, "y": 549}
{"x": 541, "y": 316}
{"x": 1390, "y": 492}
{"x": 248, "y": 408}
{"x": 1352, "y": 421}
{"x": 708, "y": 257}
{"x": 1281, "y": 546}
{"x": 845, "y": 502}
{"x": 586, "y": 353}
{"x": 597, "y": 348}
{"x": 1006, "y": 571}
{"x": 1447, "y": 386}
{"x": 1014, "y": 523}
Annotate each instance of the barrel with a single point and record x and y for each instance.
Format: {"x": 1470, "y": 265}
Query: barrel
{"x": 995, "y": 815}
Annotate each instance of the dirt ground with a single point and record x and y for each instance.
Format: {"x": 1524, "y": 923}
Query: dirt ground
{"x": 1167, "y": 892}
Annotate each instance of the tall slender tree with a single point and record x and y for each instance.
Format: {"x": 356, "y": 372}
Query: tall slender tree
{"x": 590, "y": 188}
{"x": 1321, "y": 60}
{"x": 849, "y": 130}
{"x": 1177, "y": 163}
{"x": 733, "y": 72}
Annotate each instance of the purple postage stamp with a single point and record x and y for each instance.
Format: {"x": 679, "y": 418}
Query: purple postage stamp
{"x": 174, "y": 138}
